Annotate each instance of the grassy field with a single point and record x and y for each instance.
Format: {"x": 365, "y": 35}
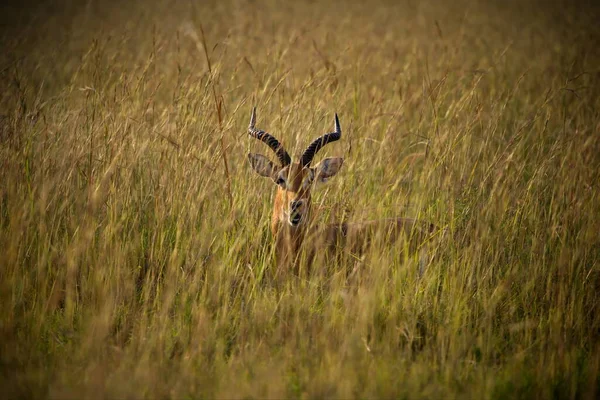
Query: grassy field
{"x": 134, "y": 236}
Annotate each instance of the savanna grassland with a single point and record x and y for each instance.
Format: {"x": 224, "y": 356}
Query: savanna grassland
{"x": 134, "y": 237}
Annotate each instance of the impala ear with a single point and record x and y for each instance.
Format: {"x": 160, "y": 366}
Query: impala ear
{"x": 262, "y": 165}
{"x": 327, "y": 168}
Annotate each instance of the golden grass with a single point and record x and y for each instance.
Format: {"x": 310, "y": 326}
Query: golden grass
{"x": 132, "y": 260}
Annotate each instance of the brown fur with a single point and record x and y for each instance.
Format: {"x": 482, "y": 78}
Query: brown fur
{"x": 288, "y": 238}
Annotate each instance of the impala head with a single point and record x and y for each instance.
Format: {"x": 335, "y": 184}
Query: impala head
{"x": 294, "y": 179}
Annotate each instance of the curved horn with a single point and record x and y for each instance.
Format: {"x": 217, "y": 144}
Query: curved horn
{"x": 282, "y": 155}
{"x": 318, "y": 143}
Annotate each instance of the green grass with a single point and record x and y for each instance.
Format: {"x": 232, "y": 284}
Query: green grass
{"x": 133, "y": 264}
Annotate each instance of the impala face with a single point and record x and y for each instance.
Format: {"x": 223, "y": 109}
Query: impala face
{"x": 294, "y": 180}
{"x": 292, "y": 203}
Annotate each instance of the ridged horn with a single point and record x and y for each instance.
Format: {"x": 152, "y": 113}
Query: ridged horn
{"x": 270, "y": 140}
{"x": 318, "y": 143}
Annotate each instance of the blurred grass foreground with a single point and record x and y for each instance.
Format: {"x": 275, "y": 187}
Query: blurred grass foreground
{"x": 134, "y": 237}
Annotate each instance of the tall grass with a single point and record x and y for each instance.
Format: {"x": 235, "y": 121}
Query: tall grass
{"x": 133, "y": 262}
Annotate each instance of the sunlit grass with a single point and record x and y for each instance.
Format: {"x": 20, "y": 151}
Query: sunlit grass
{"x": 134, "y": 264}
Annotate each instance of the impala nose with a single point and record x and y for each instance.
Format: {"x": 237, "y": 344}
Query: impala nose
{"x": 295, "y": 205}
{"x": 295, "y": 215}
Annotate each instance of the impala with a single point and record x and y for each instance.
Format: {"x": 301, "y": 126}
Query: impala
{"x": 292, "y": 222}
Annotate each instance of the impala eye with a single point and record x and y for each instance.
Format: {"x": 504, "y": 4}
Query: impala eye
{"x": 280, "y": 181}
